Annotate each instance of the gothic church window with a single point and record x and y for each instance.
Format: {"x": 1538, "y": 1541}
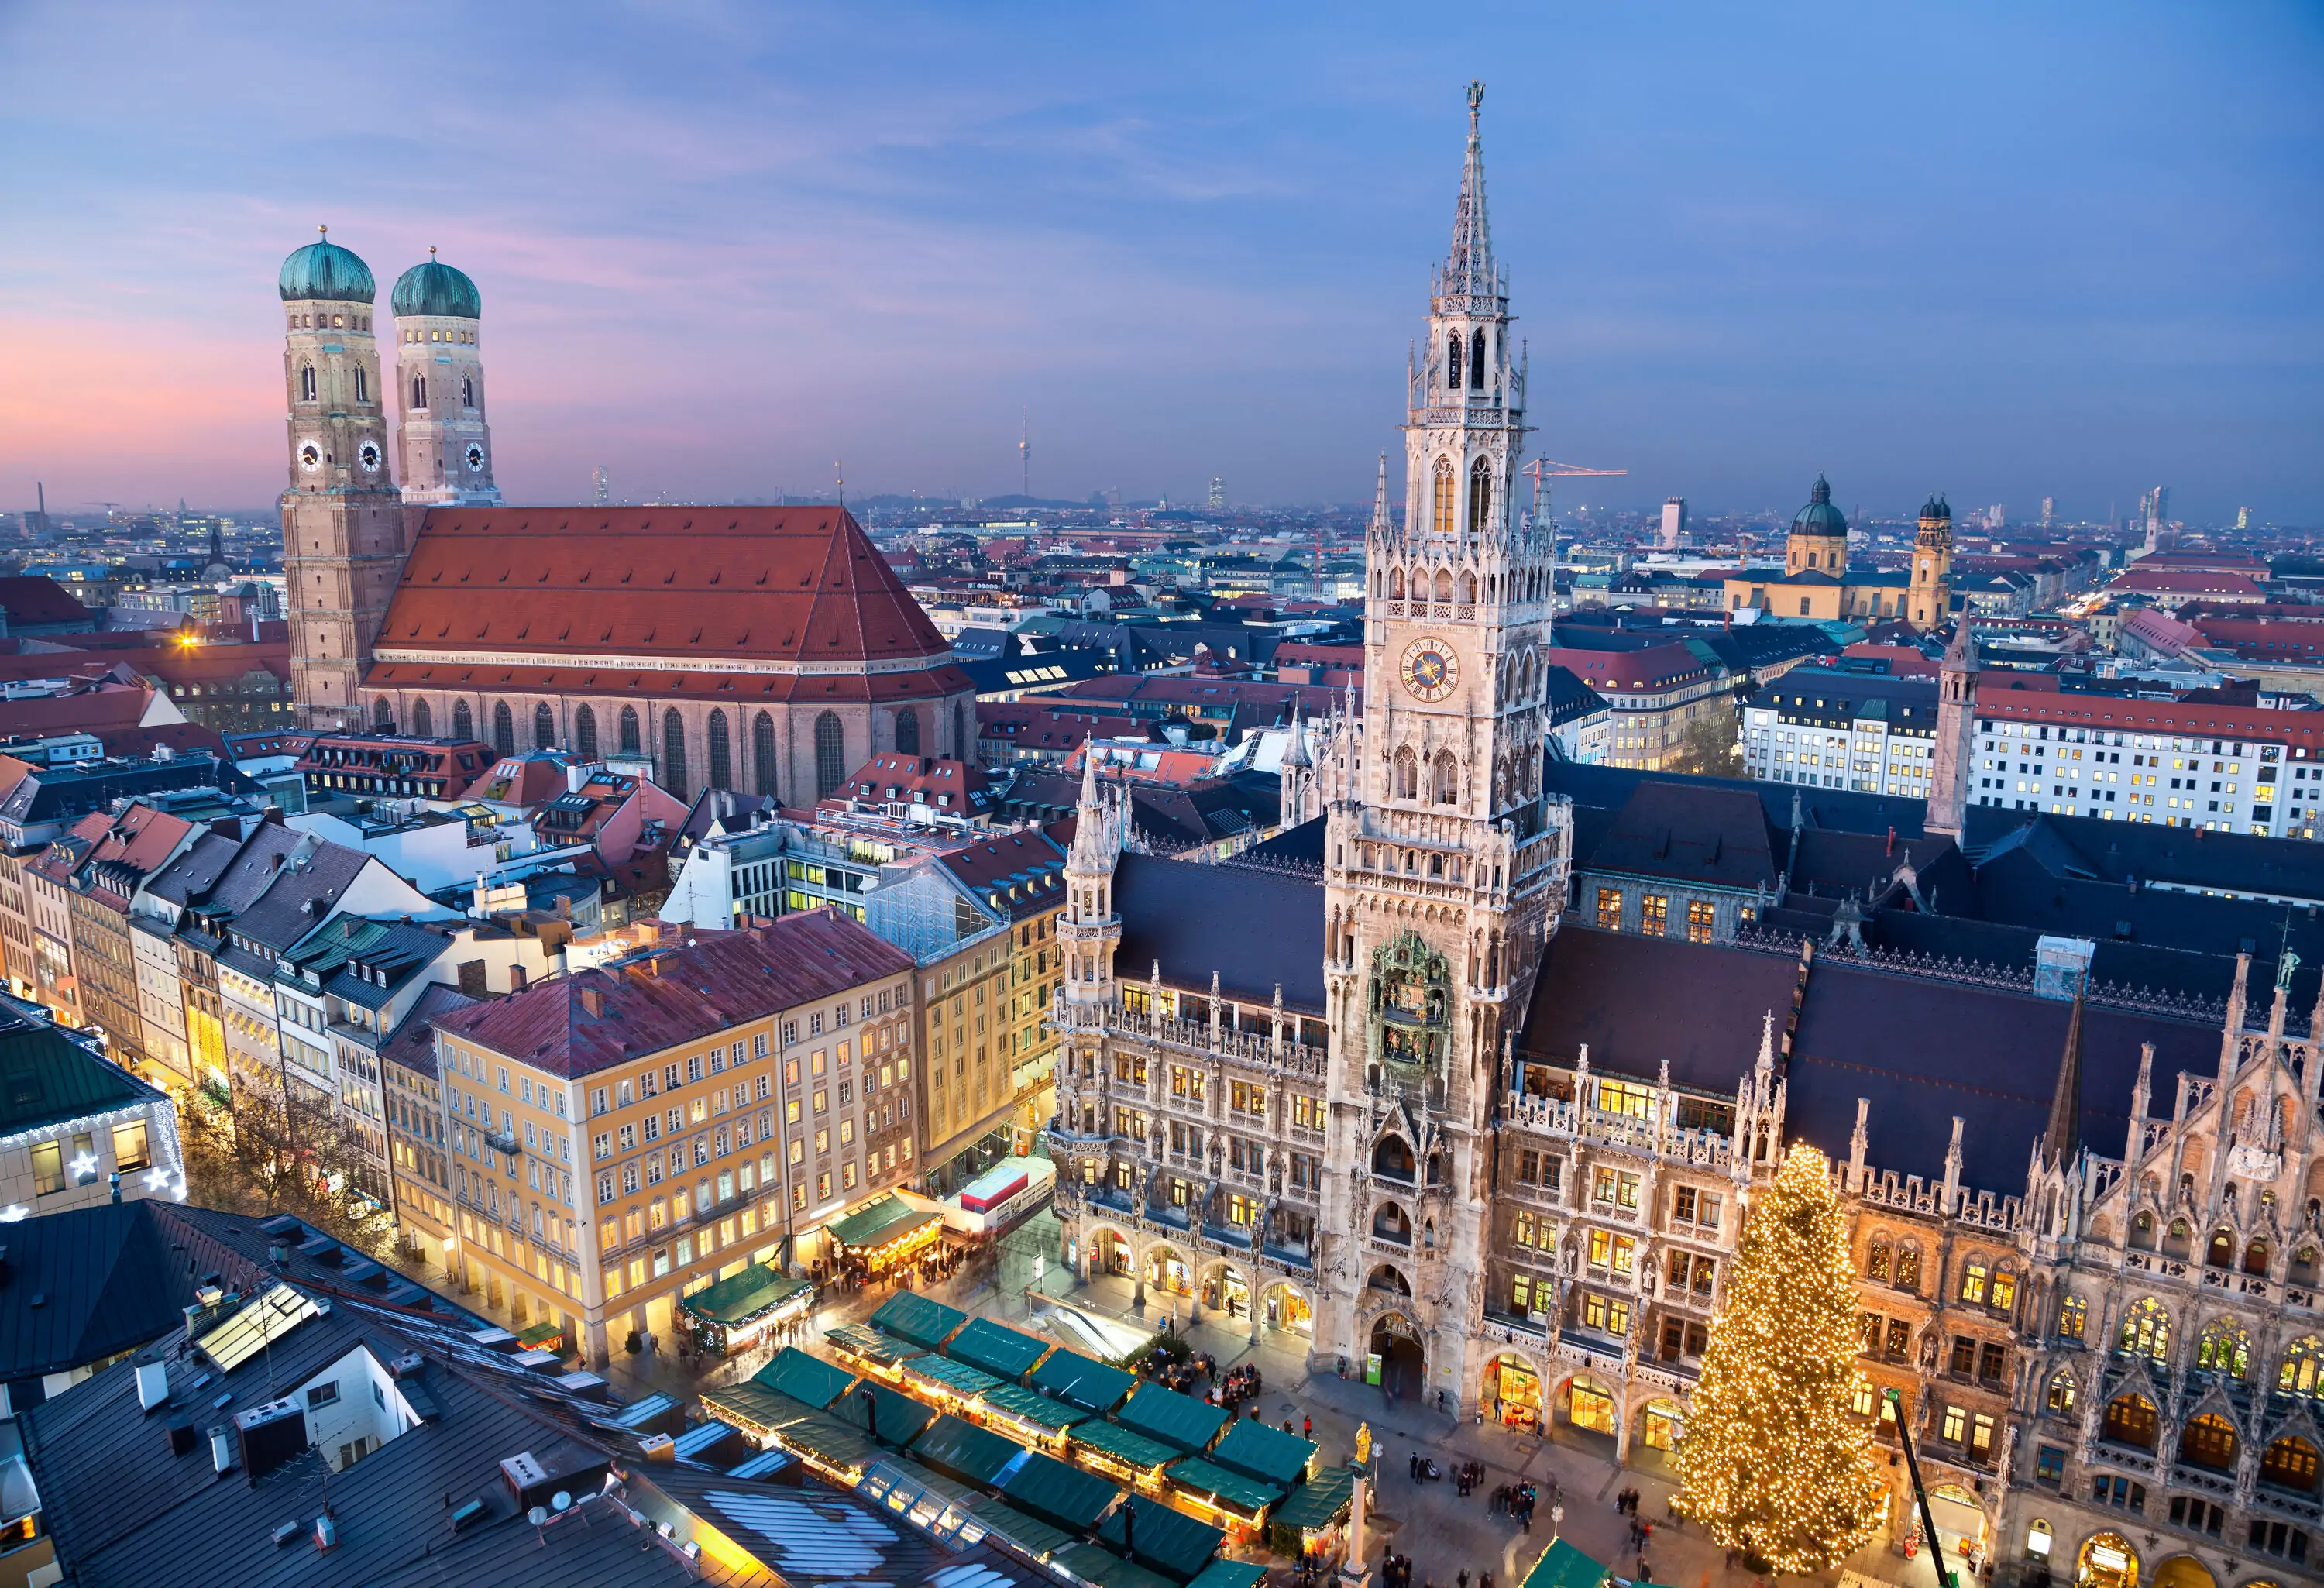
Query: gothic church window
{"x": 2224, "y": 1349}
{"x": 1448, "y": 778}
{"x": 362, "y": 387}
{"x": 1407, "y": 774}
{"x": 467, "y": 391}
{"x": 305, "y": 382}
{"x": 1480, "y": 495}
{"x": 585, "y": 732}
{"x": 544, "y": 726}
{"x": 722, "y": 753}
{"x": 1395, "y": 584}
{"x": 630, "y": 741}
{"x": 1443, "y": 586}
{"x": 762, "y": 754}
{"x": 503, "y": 729}
{"x": 1477, "y": 360}
{"x": 830, "y": 755}
{"x": 2146, "y": 1330}
{"x": 2209, "y": 1441}
{"x": 1452, "y": 363}
{"x": 418, "y": 391}
{"x": 2290, "y": 1463}
{"x": 2302, "y": 1373}
{"x": 383, "y": 715}
{"x": 673, "y": 752}
{"x": 907, "y": 731}
{"x": 1446, "y": 490}
{"x": 423, "y": 721}
{"x": 464, "y": 720}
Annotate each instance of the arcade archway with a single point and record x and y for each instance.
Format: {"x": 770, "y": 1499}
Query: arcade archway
{"x": 2105, "y": 1560}
{"x": 1587, "y": 1407}
{"x": 1511, "y": 1393}
{"x": 1397, "y": 1363}
{"x": 1283, "y": 1305}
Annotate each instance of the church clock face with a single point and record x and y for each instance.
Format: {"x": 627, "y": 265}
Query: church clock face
{"x": 368, "y": 456}
{"x": 311, "y": 456}
{"x": 475, "y": 458}
{"x": 1431, "y": 668}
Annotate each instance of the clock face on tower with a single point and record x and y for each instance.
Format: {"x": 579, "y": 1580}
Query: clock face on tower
{"x": 310, "y": 456}
{"x": 1431, "y": 668}
{"x": 476, "y": 457}
{"x": 368, "y": 456}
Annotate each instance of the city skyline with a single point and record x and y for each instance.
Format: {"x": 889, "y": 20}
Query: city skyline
{"x": 2070, "y": 266}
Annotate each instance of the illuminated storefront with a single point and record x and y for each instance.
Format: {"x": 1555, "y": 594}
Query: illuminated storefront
{"x": 1514, "y": 1391}
{"x": 2107, "y": 1561}
{"x": 1590, "y": 1405}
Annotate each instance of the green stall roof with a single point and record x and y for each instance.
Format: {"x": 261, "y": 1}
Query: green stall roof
{"x": 901, "y": 1418}
{"x": 909, "y": 1315}
{"x": 754, "y": 1409}
{"x": 879, "y": 1221}
{"x": 1108, "y": 1570}
{"x": 955, "y": 1376}
{"x": 965, "y": 1450}
{"x": 757, "y": 1290}
{"x": 1170, "y": 1541}
{"x": 999, "y": 1350}
{"x": 1176, "y": 1419}
{"x": 1201, "y": 1477}
{"x": 805, "y": 1378}
{"x": 1230, "y": 1573}
{"x": 1062, "y": 1494}
{"x": 864, "y": 1340}
{"x": 828, "y": 1440}
{"x": 1039, "y": 1410}
{"x": 1087, "y": 1382}
{"x": 1561, "y": 1565}
{"x": 1318, "y": 1502}
{"x": 1122, "y": 1445}
{"x": 1269, "y": 1455}
{"x": 1028, "y": 1533}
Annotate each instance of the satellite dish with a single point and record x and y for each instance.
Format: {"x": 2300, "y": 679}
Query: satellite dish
{"x": 561, "y": 1502}
{"x": 536, "y": 1515}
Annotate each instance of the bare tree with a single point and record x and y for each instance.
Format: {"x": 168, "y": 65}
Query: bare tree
{"x": 1709, "y": 747}
{"x": 265, "y": 1154}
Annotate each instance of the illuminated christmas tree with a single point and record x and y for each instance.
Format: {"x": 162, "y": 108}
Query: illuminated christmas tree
{"x": 1777, "y": 1462}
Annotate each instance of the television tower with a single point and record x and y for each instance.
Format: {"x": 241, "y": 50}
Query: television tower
{"x": 1025, "y": 454}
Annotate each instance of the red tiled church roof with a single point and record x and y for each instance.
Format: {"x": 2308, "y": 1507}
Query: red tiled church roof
{"x": 798, "y": 585}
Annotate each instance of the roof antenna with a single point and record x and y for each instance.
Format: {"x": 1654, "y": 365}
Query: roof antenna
{"x": 841, "y": 473}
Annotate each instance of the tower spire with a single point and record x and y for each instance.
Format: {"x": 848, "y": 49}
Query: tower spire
{"x": 2062, "y": 1136}
{"x": 1469, "y": 268}
{"x": 1383, "y": 522}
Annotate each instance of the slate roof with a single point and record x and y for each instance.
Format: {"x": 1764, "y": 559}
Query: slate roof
{"x": 47, "y": 1078}
{"x": 111, "y": 1278}
{"x": 412, "y": 1044}
{"x": 1256, "y": 929}
{"x": 1716, "y": 836}
{"x": 677, "y": 995}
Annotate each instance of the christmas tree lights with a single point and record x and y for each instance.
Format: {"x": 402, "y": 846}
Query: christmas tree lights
{"x": 1776, "y": 1461}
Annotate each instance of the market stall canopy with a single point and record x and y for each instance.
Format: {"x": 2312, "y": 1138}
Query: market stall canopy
{"x": 1319, "y": 1502}
{"x": 1118, "y": 1442}
{"x": 1561, "y": 1565}
{"x": 1223, "y": 1573}
{"x": 1085, "y": 1381}
{"x": 909, "y": 1315}
{"x": 1001, "y": 1351}
{"x": 1062, "y": 1494}
{"x": 864, "y": 1340}
{"x": 1247, "y": 1495}
{"x": 754, "y": 1409}
{"x": 880, "y": 1222}
{"x": 958, "y": 1377}
{"x": 1041, "y": 1411}
{"x": 1037, "y": 1539}
{"x": 900, "y": 1417}
{"x": 1170, "y": 1541}
{"x": 1269, "y": 1455}
{"x": 759, "y": 1290}
{"x": 1173, "y": 1418}
{"x": 965, "y": 1450}
{"x": 805, "y": 1378}
{"x": 1105, "y": 1569}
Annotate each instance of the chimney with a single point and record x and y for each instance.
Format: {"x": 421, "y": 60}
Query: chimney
{"x": 152, "y": 1385}
{"x": 592, "y": 999}
{"x": 516, "y": 978}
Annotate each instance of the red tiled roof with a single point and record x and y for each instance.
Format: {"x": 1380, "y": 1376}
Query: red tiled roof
{"x": 1653, "y": 668}
{"x": 2200, "y": 581}
{"x": 766, "y": 584}
{"x": 2004, "y": 696}
{"x": 678, "y": 996}
{"x": 930, "y": 779}
{"x": 35, "y": 598}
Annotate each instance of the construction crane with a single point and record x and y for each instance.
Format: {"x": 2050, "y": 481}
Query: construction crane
{"x": 1541, "y": 466}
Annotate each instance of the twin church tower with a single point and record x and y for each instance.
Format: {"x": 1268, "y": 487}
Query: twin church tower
{"x": 347, "y": 523}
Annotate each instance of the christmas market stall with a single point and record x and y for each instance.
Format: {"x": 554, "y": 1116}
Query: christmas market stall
{"x": 1313, "y": 1520}
{"x": 740, "y": 1310}
{"x": 884, "y": 1233}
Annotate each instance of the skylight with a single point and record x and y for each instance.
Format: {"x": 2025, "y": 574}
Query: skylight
{"x": 244, "y": 1335}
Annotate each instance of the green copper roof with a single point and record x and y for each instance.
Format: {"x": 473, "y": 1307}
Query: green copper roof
{"x": 435, "y": 288}
{"x": 1819, "y": 517}
{"x": 326, "y": 270}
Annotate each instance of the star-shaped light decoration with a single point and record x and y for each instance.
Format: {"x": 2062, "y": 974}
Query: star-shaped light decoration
{"x": 84, "y": 1164}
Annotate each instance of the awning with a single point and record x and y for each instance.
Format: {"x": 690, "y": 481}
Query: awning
{"x": 1169, "y": 1541}
{"x": 900, "y": 1417}
{"x": 1105, "y": 1569}
{"x": 1561, "y": 1565}
{"x": 1001, "y": 1351}
{"x": 863, "y": 1341}
{"x": 1199, "y": 1477}
{"x": 1134, "y": 1450}
{"x": 1028, "y": 1533}
{"x": 909, "y": 1315}
{"x": 1087, "y": 1382}
{"x": 1230, "y": 1573}
{"x": 956, "y": 1377}
{"x": 1038, "y": 1410}
{"x": 823, "y": 1439}
{"x": 754, "y": 1409}
{"x": 1269, "y": 1455}
{"x": 1049, "y": 1489}
{"x": 807, "y": 1378}
{"x": 965, "y": 1450}
{"x": 1173, "y": 1418}
{"x": 1319, "y": 1502}
{"x": 880, "y": 1222}
{"x": 759, "y": 1290}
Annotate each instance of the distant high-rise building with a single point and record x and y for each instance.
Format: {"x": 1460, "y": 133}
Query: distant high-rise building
{"x": 1218, "y": 495}
{"x": 601, "y": 486}
{"x": 2154, "y": 515}
{"x": 1673, "y": 523}
{"x": 2049, "y": 511}
{"x": 2243, "y": 518}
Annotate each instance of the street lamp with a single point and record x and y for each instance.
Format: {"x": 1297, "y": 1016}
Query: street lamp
{"x": 1557, "y": 1519}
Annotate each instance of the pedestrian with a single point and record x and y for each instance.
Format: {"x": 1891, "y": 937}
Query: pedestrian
{"x": 1463, "y": 1578}
{"x": 1306, "y": 1428}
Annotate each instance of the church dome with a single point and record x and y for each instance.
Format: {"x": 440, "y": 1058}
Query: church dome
{"x": 1936, "y": 507}
{"x": 327, "y": 271}
{"x": 437, "y": 289}
{"x": 1819, "y": 517}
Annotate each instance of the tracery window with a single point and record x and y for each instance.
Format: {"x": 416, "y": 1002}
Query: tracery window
{"x": 1480, "y": 495}
{"x": 630, "y": 744}
{"x": 585, "y": 732}
{"x": 2146, "y": 1329}
{"x": 1446, "y": 488}
{"x": 2224, "y": 1348}
{"x": 721, "y": 753}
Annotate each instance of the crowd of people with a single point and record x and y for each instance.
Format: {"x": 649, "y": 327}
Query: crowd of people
{"x": 1239, "y": 1385}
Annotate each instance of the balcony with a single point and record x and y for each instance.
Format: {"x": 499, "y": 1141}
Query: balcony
{"x": 1259, "y": 1049}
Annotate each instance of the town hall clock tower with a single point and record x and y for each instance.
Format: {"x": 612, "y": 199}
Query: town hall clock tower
{"x": 1442, "y": 863}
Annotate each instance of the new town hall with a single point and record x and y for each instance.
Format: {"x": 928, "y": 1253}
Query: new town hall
{"x": 1389, "y": 1082}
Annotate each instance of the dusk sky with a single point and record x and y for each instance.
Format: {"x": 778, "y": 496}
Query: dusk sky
{"x": 1995, "y": 250}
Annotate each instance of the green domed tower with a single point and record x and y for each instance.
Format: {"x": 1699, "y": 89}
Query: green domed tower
{"x": 444, "y": 446}
{"x": 1819, "y": 538}
{"x": 342, "y": 517}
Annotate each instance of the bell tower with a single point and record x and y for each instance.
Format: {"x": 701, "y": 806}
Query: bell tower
{"x": 343, "y": 542}
{"x": 444, "y": 446}
{"x": 1441, "y": 858}
{"x": 1930, "y": 597}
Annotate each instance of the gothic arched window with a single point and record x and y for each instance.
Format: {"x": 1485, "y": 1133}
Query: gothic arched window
{"x": 544, "y": 726}
{"x": 423, "y": 721}
{"x": 464, "y": 720}
{"x": 673, "y": 752}
{"x": 2224, "y": 1348}
{"x": 1448, "y": 778}
{"x": 2146, "y": 1329}
{"x": 383, "y": 715}
{"x": 467, "y": 391}
{"x": 1442, "y": 519}
{"x": 2130, "y": 1419}
{"x": 1443, "y": 586}
{"x": 830, "y": 755}
{"x": 762, "y": 754}
{"x": 630, "y": 744}
{"x": 1468, "y": 588}
{"x": 2302, "y": 1373}
{"x": 1480, "y": 495}
{"x": 722, "y": 753}
{"x": 908, "y": 732}
{"x": 2290, "y": 1463}
{"x": 1477, "y": 360}
{"x": 2209, "y": 1442}
{"x": 418, "y": 391}
{"x": 1395, "y": 584}
{"x": 1452, "y": 363}
{"x": 503, "y": 729}
{"x": 305, "y": 382}
{"x": 585, "y": 732}
{"x": 362, "y": 387}
{"x": 2061, "y": 1393}
{"x": 1407, "y": 774}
